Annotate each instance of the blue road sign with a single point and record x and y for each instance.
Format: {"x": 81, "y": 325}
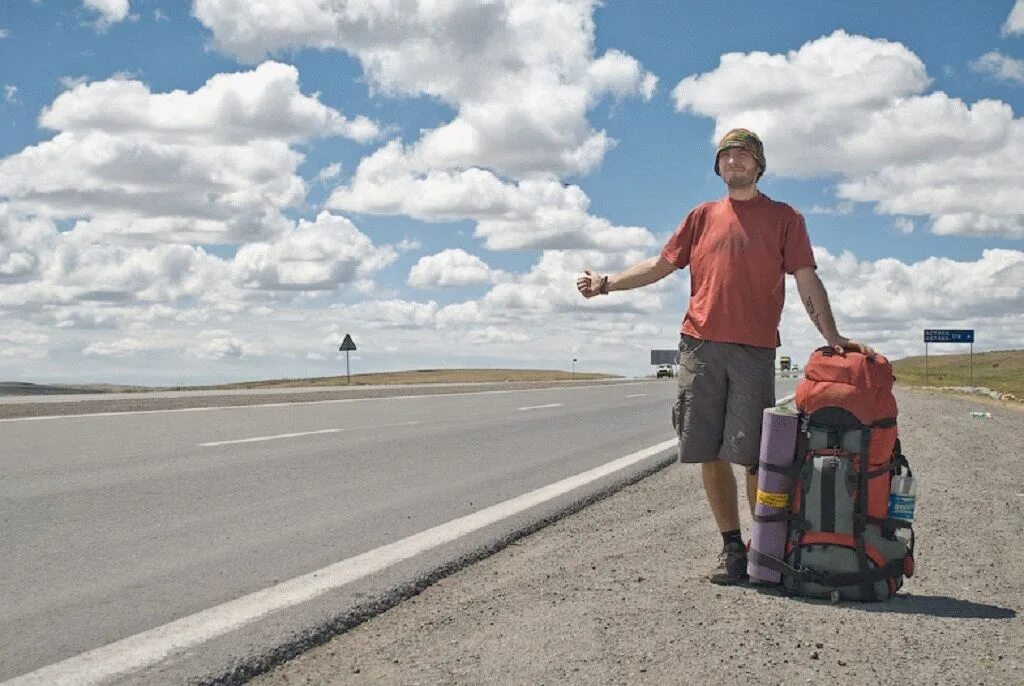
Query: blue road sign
{"x": 949, "y": 335}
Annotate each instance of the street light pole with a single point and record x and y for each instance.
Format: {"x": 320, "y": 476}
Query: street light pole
{"x": 574, "y": 369}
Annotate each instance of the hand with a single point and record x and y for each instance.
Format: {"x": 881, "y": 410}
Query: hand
{"x": 841, "y": 344}
{"x": 589, "y": 284}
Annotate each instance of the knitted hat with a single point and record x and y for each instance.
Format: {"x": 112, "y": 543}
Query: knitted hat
{"x": 741, "y": 138}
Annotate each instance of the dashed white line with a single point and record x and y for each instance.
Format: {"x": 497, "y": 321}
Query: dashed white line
{"x": 149, "y": 647}
{"x": 539, "y": 407}
{"x": 256, "y": 439}
{"x": 637, "y": 395}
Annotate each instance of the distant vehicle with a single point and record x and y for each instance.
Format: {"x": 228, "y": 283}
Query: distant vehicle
{"x": 785, "y": 363}
{"x": 665, "y": 370}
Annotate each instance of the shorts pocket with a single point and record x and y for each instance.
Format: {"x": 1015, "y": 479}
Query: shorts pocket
{"x": 688, "y": 345}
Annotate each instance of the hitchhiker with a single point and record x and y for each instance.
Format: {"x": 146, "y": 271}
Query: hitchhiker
{"x": 739, "y": 250}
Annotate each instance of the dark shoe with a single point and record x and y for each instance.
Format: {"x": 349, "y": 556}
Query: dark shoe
{"x": 732, "y": 565}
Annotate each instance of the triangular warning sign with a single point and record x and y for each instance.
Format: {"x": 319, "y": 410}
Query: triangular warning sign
{"x": 347, "y": 344}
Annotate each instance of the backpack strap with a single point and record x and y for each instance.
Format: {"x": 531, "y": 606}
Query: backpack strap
{"x": 860, "y": 517}
{"x": 891, "y": 569}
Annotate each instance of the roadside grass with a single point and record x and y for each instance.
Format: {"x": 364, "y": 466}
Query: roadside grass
{"x": 1000, "y": 370}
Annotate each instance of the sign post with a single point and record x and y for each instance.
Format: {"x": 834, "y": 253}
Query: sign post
{"x": 948, "y": 336}
{"x": 347, "y": 345}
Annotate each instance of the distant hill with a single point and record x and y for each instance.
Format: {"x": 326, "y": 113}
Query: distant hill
{"x": 416, "y": 376}
{"x": 419, "y": 376}
{"x": 24, "y": 388}
{"x": 1001, "y": 370}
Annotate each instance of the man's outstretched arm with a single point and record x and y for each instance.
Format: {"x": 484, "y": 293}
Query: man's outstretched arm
{"x": 640, "y": 274}
{"x": 815, "y": 300}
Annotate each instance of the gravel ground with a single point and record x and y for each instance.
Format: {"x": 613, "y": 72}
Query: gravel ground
{"x": 616, "y": 594}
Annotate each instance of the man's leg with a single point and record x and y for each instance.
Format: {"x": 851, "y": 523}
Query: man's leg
{"x": 720, "y": 486}
{"x": 699, "y": 418}
{"x": 751, "y": 491}
{"x": 751, "y": 376}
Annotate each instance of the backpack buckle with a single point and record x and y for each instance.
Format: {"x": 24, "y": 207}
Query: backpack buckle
{"x": 811, "y": 575}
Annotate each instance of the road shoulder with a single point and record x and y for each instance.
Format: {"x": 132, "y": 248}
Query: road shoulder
{"x": 616, "y": 593}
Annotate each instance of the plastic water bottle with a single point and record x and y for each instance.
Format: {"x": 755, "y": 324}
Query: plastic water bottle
{"x": 902, "y": 499}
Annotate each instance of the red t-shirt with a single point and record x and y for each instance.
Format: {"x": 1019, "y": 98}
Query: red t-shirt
{"x": 739, "y": 252}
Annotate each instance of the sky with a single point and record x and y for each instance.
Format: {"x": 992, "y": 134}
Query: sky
{"x": 219, "y": 190}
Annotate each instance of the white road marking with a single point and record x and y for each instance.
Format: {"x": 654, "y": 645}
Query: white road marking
{"x": 539, "y": 407}
{"x": 302, "y": 402}
{"x": 149, "y": 647}
{"x": 256, "y": 439}
{"x": 637, "y": 395}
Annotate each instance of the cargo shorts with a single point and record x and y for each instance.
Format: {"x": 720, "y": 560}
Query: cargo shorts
{"x": 723, "y": 391}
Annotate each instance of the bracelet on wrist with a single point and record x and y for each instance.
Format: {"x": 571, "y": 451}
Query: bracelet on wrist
{"x": 603, "y": 288}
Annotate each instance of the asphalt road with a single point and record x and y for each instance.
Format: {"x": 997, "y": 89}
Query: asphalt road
{"x": 116, "y": 524}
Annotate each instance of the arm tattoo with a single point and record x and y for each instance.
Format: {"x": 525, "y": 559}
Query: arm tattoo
{"x": 812, "y": 313}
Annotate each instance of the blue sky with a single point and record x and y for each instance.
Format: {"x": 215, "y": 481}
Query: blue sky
{"x": 212, "y": 191}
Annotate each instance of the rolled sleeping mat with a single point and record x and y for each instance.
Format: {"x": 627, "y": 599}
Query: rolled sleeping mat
{"x": 779, "y": 428}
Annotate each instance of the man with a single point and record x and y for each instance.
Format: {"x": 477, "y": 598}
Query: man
{"x": 739, "y": 250}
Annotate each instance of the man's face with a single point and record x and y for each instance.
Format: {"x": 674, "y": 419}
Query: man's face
{"x": 738, "y": 167}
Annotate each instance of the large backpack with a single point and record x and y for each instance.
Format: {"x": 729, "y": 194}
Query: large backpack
{"x": 842, "y": 544}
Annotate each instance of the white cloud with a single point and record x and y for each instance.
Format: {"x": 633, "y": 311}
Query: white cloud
{"x": 839, "y": 209}
{"x": 533, "y": 213}
{"x": 11, "y": 93}
{"x": 935, "y": 289}
{"x": 122, "y": 347}
{"x": 160, "y": 15}
{"x": 1014, "y": 24}
{"x": 318, "y": 255}
{"x": 329, "y": 172}
{"x": 451, "y": 268}
{"x": 110, "y": 11}
{"x": 211, "y": 166}
{"x": 215, "y": 344}
{"x": 18, "y": 345}
{"x": 16, "y": 348}
{"x": 495, "y": 334}
{"x": 4, "y": 33}
{"x": 20, "y": 242}
{"x": 264, "y": 103}
{"x": 903, "y": 225}
{"x": 389, "y": 314}
{"x": 888, "y": 303}
{"x": 1000, "y": 66}
{"x": 521, "y": 76}
{"x": 70, "y": 82}
{"x": 857, "y": 107}
{"x": 71, "y": 282}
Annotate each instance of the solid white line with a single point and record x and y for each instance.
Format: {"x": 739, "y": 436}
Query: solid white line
{"x": 304, "y": 402}
{"x": 637, "y": 395}
{"x": 146, "y": 648}
{"x": 256, "y": 439}
{"x": 539, "y": 407}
